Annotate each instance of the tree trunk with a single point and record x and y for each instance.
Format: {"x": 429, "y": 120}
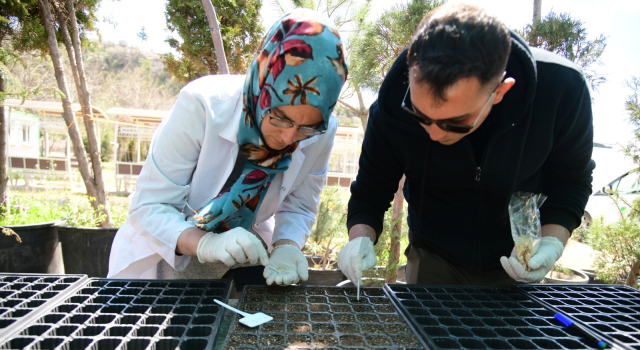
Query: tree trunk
{"x": 67, "y": 113}
{"x": 214, "y": 28}
{"x": 364, "y": 112}
{"x": 4, "y": 191}
{"x": 537, "y": 11}
{"x": 537, "y": 17}
{"x": 632, "y": 279}
{"x": 394, "y": 246}
{"x": 101, "y": 202}
{"x": 62, "y": 21}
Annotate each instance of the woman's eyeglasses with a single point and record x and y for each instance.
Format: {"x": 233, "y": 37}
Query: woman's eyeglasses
{"x": 286, "y": 124}
{"x": 457, "y": 128}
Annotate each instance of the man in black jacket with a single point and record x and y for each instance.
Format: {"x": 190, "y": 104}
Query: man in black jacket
{"x": 470, "y": 114}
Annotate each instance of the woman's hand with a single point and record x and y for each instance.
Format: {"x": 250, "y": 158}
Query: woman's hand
{"x": 236, "y": 246}
{"x": 287, "y": 264}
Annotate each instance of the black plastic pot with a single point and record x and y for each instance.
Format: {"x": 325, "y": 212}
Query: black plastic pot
{"x": 86, "y": 249}
{"x": 401, "y": 277}
{"x": 322, "y": 277}
{"x": 582, "y": 278}
{"x": 39, "y": 251}
{"x": 593, "y": 276}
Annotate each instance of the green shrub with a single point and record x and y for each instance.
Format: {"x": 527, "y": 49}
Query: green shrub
{"x": 24, "y": 208}
{"x": 30, "y": 207}
{"x": 383, "y": 247}
{"x": 618, "y": 249}
{"x": 329, "y": 233}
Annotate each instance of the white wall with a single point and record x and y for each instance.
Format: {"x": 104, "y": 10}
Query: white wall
{"x": 17, "y": 147}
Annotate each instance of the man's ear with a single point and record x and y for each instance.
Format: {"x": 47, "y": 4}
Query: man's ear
{"x": 502, "y": 89}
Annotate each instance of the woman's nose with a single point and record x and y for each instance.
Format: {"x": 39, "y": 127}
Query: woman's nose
{"x": 288, "y": 135}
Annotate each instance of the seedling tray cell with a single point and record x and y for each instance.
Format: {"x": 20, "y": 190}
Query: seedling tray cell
{"x": 306, "y": 317}
{"x": 22, "y": 295}
{"x": 130, "y": 314}
{"x": 471, "y": 317}
{"x": 610, "y": 310}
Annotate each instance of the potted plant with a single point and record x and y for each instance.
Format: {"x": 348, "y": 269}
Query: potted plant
{"x": 29, "y": 241}
{"x": 86, "y": 247}
{"x": 593, "y": 276}
{"x": 564, "y": 275}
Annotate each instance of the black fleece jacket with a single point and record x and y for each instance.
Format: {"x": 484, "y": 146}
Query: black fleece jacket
{"x": 538, "y": 139}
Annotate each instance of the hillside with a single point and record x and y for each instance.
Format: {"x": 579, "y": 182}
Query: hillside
{"x": 118, "y": 76}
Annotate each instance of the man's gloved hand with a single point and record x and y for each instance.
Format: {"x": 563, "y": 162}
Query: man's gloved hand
{"x": 357, "y": 256}
{"x": 236, "y": 246}
{"x": 549, "y": 251}
{"x": 286, "y": 266}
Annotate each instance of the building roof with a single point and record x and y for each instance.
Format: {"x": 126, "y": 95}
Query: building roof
{"x": 345, "y": 130}
{"x": 46, "y": 107}
{"x": 140, "y": 115}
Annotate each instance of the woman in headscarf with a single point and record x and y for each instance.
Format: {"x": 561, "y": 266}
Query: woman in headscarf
{"x": 250, "y": 154}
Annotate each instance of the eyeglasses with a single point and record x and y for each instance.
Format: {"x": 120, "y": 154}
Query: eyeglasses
{"x": 285, "y": 124}
{"x": 457, "y": 128}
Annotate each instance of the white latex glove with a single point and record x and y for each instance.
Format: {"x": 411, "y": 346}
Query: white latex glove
{"x": 287, "y": 265}
{"x": 549, "y": 251}
{"x": 357, "y": 256}
{"x": 236, "y": 246}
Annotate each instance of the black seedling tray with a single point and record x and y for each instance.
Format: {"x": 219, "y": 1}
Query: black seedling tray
{"x": 472, "y": 317}
{"x": 320, "y": 318}
{"x": 610, "y": 310}
{"x": 130, "y": 314}
{"x": 22, "y": 295}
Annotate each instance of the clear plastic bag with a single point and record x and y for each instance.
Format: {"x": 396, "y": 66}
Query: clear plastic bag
{"x": 524, "y": 214}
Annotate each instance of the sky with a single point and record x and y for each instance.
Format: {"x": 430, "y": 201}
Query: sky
{"x": 619, "y": 20}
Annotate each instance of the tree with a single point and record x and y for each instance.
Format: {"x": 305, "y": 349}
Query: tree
{"x": 618, "y": 244}
{"x": 12, "y": 12}
{"x": 142, "y": 35}
{"x": 239, "y": 27}
{"x": 632, "y": 106}
{"x": 383, "y": 40}
{"x": 214, "y": 28}
{"x": 374, "y": 51}
{"x": 537, "y": 10}
{"x": 92, "y": 177}
{"x": 567, "y": 37}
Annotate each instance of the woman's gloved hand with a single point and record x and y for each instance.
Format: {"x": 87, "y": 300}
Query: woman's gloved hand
{"x": 549, "y": 251}
{"x": 357, "y": 256}
{"x": 287, "y": 265}
{"x": 236, "y": 246}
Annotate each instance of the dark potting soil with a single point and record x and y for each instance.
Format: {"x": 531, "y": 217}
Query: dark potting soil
{"x": 321, "y": 317}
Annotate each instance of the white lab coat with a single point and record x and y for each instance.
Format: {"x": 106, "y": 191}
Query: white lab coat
{"x": 191, "y": 156}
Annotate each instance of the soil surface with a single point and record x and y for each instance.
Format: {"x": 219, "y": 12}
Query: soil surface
{"x": 320, "y": 318}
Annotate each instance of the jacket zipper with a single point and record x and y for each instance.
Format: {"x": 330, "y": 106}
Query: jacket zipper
{"x": 477, "y": 256}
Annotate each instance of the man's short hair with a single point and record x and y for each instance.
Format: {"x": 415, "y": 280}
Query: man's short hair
{"x": 456, "y": 41}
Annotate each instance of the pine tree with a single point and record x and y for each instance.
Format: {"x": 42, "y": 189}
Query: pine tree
{"x": 241, "y": 34}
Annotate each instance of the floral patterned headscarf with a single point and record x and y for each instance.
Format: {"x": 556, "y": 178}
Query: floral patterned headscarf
{"x": 300, "y": 62}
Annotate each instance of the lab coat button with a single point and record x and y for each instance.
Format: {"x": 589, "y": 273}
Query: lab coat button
{"x": 284, "y": 188}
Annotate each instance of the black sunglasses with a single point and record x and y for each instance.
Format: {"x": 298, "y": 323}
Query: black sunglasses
{"x": 423, "y": 119}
